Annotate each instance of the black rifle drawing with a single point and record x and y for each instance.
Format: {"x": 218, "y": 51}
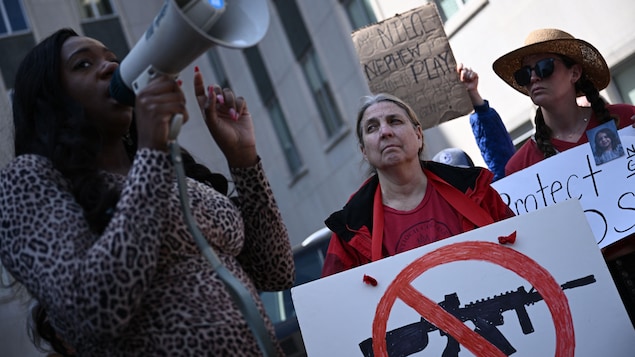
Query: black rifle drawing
{"x": 485, "y": 314}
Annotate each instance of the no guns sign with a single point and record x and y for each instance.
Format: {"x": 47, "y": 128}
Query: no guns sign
{"x": 548, "y": 294}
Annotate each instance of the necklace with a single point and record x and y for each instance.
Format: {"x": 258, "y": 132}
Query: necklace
{"x": 573, "y": 135}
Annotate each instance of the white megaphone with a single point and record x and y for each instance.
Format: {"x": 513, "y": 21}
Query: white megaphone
{"x": 182, "y": 31}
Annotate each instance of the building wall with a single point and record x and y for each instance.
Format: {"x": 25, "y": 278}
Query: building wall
{"x": 333, "y": 167}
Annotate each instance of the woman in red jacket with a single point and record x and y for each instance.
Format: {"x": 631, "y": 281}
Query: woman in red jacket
{"x": 407, "y": 202}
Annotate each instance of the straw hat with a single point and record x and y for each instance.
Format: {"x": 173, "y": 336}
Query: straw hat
{"x": 558, "y": 42}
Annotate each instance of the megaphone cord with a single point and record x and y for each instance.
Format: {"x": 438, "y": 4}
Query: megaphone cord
{"x": 238, "y": 292}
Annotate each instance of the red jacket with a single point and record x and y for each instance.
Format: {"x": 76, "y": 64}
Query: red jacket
{"x": 350, "y": 244}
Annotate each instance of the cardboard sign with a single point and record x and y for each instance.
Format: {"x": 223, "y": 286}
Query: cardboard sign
{"x": 606, "y": 191}
{"x": 409, "y": 56}
{"x": 547, "y": 294}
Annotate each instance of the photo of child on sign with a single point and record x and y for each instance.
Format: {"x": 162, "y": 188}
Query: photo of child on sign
{"x": 409, "y": 56}
{"x": 605, "y": 143}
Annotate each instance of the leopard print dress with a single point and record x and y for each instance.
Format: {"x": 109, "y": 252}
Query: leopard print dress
{"x": 142, "y": 288}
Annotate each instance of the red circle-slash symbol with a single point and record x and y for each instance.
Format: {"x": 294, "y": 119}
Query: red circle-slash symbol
{"x": 503, "y": 256}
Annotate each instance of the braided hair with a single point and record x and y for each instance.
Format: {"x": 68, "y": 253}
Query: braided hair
{"x": 584, "y": 85}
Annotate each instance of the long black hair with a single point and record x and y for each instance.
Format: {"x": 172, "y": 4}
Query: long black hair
{"x": 40, "y": 330}
{"x": 49, "y": 123}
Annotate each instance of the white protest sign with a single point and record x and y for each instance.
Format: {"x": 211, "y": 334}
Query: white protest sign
{"x": 409, "y": 56}
{"x": 606, "y": 192}
{"x": 574, "y": 309}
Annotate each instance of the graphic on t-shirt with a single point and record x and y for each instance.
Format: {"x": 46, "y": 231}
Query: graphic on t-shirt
{"x": 423, "y": 233}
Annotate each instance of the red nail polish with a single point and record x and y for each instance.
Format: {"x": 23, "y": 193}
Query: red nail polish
{"x": 196, "y": 69}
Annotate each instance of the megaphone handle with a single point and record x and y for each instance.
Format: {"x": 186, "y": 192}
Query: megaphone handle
{"x": 175, "y": 126}
{"x": 141, "y": 82}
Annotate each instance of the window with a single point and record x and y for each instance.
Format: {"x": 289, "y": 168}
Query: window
{"x": 99, "y": 22}
{"x": 321, "y": 93}
{"x": 447, "y": 8}
{"x": 268, "y": 96}
{"x": 302, "y": 47}
{"x": 294, "y": 28}
{"x": 522, "y": 133}
{"x": 12, "y": 17}
{"x": 279, "y": 122}
{"x": 625, "y": 81}
{"x": 359, "y": 13}
{"x": 217, "y": 67}
{"x": 94, "y": 9}
{"x": 15, "y": 39}
{"x": 456, "y": 13}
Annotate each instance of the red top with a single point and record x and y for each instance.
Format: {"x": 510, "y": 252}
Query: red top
{"x": 432, "y": 220}
{"x": 529, "y": 153}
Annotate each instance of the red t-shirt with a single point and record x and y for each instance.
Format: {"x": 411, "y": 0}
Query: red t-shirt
{"x": 529, "y": 153}
{"x": 432, "y": 220}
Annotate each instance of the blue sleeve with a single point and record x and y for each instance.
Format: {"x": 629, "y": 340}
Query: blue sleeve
{"x": 492, "y": 138}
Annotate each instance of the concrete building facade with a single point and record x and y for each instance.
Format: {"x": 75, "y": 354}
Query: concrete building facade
{"x": 303, "y": 82}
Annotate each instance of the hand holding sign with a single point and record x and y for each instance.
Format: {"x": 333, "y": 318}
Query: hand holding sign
{"x": 409, "y": 56}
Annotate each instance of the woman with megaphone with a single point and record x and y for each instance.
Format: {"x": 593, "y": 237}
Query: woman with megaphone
{"x": 91, "y": 221}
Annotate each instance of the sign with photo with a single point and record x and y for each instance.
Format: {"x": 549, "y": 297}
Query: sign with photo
{"x": 548, "y": 293}
{"x": 605, "y": 190}
{"x": 605, "y": 143}
{"x": 409, "y": 56}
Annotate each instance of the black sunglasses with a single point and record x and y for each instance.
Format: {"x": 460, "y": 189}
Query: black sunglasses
{"x": 543, "y": 69}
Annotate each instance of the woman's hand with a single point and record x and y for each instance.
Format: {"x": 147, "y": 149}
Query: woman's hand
{"x": 229, "y": 122}
{"x": 155, "y": 106}
{"x": 470, "y": 79}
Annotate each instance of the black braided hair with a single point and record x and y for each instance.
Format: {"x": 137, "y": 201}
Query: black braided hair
{"x": 598, "y": 104}
{"x": 543, "y": 135}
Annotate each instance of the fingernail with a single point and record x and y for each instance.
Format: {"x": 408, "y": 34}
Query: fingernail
{"x": 179, "y": 82}
{"x": 196, "y": 69}
{"x": 220, "y": 98}
{"x": 233, "y": 114}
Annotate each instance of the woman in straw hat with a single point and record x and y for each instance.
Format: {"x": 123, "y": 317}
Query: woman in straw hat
{"x": 553, "y": 68}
